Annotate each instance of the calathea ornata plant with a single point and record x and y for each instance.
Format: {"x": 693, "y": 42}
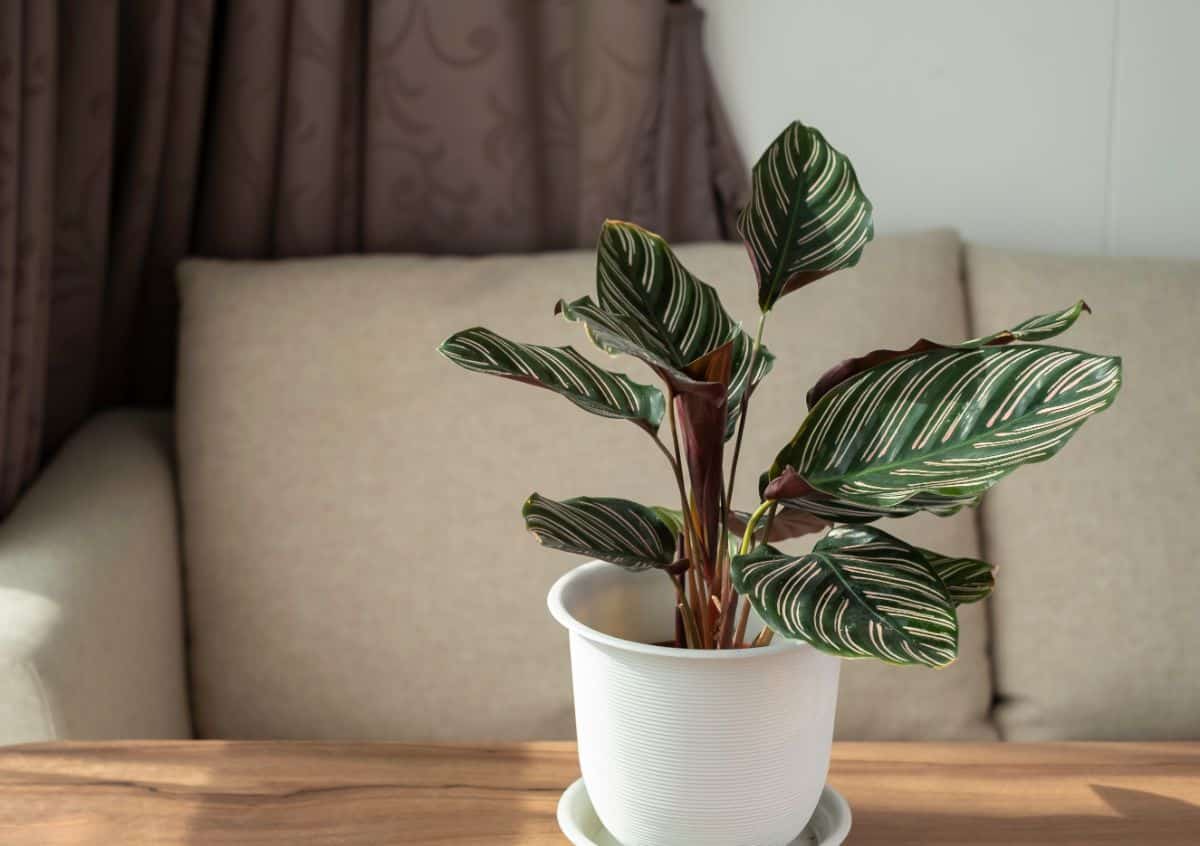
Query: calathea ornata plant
{"x": 889, "y": 433}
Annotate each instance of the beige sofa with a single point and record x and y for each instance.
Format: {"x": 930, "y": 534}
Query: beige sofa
{"x": 327, "y": 542}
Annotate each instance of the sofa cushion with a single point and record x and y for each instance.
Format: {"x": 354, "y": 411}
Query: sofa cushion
{"x": 1095, "y": 606}
{"x": 357, "y": 565}
{"x": 91, "y": 613}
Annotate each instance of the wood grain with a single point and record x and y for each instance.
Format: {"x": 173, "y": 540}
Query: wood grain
{"x": 1076, "y": 793}
{"x": 215, "y": 792}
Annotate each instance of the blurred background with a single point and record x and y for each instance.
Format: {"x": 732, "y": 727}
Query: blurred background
{"x": 241, "y": 494}
{"x": 1066, "y": 126}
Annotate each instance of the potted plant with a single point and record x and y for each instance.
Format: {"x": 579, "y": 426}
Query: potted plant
{"x": 705, "y": 663}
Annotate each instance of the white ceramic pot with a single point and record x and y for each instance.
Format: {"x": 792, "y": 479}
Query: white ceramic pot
{"x": 686, "y": 747}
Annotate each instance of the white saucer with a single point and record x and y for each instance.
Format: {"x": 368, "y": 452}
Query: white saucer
{"x": 829, "y": 825}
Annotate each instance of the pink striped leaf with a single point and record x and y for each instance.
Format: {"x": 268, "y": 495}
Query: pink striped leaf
{"x": 860, "y": 593}
{"x": 946, "y": 423}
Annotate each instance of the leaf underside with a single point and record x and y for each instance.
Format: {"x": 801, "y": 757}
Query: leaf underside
{"x": 615, "y": 530}
{"x": 788, "y": 523}
{"x": 807, "y": 216}
{"x": 856, "y": 595}
{"x": 839, "y": 511}
{"x": 798, "y": 501}
{"x": 559, "y": 369}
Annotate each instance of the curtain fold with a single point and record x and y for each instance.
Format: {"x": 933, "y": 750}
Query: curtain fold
{"x": 28, "y": 66}
{"x": 135, "y": 132}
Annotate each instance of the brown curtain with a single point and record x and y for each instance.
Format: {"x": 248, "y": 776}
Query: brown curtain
{"x": 134, "y": 132}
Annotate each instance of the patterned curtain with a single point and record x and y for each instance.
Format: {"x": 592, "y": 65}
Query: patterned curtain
{"x": 134, "y": 132}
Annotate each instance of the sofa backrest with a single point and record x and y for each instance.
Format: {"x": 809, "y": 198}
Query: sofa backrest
{"x": 356, "y": 563}
{"x": 1096, "y": 624}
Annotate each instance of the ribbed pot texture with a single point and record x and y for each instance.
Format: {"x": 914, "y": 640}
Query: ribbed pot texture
{"x": 690, "y": 747}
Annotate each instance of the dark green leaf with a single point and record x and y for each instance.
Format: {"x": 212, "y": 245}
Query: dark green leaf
{"x": 859, "y": 593}
{"x": 650, "y": 306}
{"x": 1035, "y": 329}
{"x": 836, "y": 511}
{"x": 615, "y": 530}
{"x": 795, "y": 495}
{"x": 559, "y": 369}
{"x": 947, "y": 423}
{"x": 967, "y": 579}
{"x": 1038, "y": 328}
{"x": 807, "y": 216}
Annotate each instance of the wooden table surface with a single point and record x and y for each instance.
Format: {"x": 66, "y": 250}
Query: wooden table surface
{"x": 314, "y": 794}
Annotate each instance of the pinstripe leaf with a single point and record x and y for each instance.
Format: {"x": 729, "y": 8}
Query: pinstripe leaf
{"x": 966, "y": 579}
{"x": 1034, "y": 329}
{"x": 859, "y": 593}
{"x": 948, "y": 423}
{"x": 834, "y": 510}
{"x": 807, "y": 216}
{"x": 650, "y": 306}
{"x": 796, "y": 497}
{"x": 615, "y": 530}
{"x": 559, "y": 369}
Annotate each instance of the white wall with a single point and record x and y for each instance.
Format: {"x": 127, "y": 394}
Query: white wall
{"x": 1069, "y": 126}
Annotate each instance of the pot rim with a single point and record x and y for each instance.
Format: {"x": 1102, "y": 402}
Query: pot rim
{"x": 560, "y": 613}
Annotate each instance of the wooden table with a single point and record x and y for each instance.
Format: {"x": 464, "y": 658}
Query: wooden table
{"x": 315, "y": 794}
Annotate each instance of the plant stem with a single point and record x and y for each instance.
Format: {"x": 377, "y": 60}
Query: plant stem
{"x": 726, "y": 573}
{"x": 764, "y": 637}
{"x": 767, "y": 506}
{"x": 729, "y": 601}
{"x": 737, "y": 444}
{"x": 670, "y": 458}
{"x": 766, "y": 535}
{"x": 691, "y": 528}
{"x": 752, "y": 524}
{"x": 743, "y": 618}
{"x": 697, "y": 606}
{"x": 676, "y": 464}
{"x": 693, "y": 611}
{"x": 689, "y": 624}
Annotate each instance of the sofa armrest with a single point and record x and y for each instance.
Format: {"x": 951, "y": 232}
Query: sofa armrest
{"x": 91, "y": 620}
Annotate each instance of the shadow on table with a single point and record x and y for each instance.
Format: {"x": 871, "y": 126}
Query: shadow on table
{"x": 1141, "y": 817}
{"x": 1142, "y": 804}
